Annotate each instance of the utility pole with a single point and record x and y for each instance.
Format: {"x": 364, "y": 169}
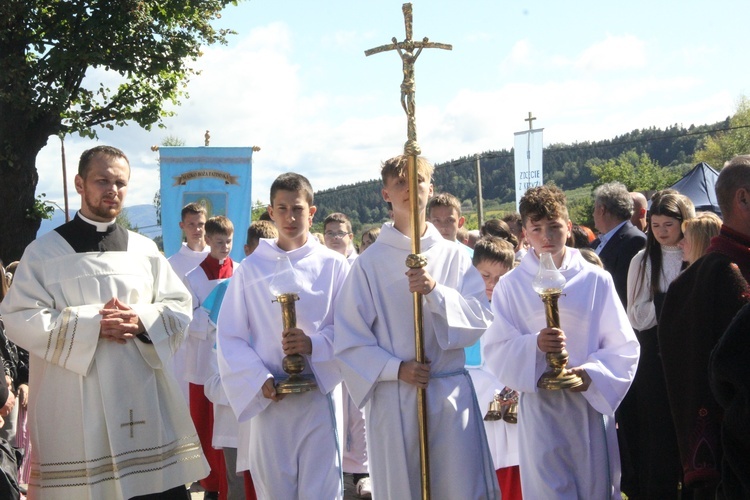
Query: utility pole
{"x": 65, "y": 177}
{"x": 480, "y": 203}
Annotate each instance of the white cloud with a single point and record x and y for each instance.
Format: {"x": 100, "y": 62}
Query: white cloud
{"x": 342, "y": 38}
{"x": 519, "y": 55}
{"x": 254, "y": 92}
{"x": 613, "y": 53}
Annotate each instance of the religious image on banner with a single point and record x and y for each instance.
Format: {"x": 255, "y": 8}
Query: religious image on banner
{"x": 528, "y": 161}
{"x": 215, "y": 177}
{"x": 215, "y": 203}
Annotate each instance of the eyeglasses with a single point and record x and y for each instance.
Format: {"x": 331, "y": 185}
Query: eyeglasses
{"x": 338, "y": 236}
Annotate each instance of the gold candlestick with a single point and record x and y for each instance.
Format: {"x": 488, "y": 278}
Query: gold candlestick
{"x": 293, "y": 364}
{"x": 284, "y": 286}
{"x": 549, "y": 283}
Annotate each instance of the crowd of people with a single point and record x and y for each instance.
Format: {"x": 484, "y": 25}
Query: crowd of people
{"x": 164, "y": 373}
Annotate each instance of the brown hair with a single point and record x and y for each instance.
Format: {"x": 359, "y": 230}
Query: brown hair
{"x": 396, "y": 168}
{"x": 193, "y": 208}
{"x": 261, "y": 229}
{"x": 494, "y": 249}
{"x": 371, "y": 234}
{"x": 668, "y": 203}
{"x": 444, "y": 200}
{"x": 294, "y": 183}
{"x": 543, "y": 202}
{"x": 340, "y": 218}
{"x": 496, "y": 227}
{"x": 219, "y": 225}
{"x": 84, "y": 164}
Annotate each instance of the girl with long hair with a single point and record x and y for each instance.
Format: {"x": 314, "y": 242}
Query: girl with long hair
{"x": 645, "y": 418}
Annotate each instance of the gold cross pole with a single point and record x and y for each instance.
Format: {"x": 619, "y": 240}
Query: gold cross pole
{"x": 406, "y": 50}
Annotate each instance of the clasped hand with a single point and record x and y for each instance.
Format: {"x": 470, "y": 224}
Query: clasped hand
{"x": 119, "y": 322}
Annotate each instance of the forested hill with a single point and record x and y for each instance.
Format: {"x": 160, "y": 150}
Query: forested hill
{"x": 567, "y": 165}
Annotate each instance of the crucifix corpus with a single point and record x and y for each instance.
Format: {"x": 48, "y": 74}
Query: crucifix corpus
{"x": 409, "y": 51}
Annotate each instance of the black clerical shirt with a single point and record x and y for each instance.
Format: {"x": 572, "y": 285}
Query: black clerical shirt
{"x": 85, "y": 237}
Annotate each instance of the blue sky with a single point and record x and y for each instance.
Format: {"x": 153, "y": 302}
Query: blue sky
{"x": 295, "y": 81}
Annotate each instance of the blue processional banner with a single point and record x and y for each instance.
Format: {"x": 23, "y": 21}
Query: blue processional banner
{"x": 218, "y": 178}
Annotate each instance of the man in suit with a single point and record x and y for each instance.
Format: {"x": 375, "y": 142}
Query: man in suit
{"x": 618, "y": 240}
{"x": 617, "y": 244}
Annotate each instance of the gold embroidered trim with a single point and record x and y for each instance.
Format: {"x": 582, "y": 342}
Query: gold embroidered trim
{"x": 116, "y": 467}
{"x": 191, "y": 440}
{"x": 72, "y": 341}
{"x": 62, "y": 333}
{"x": 35, "y": 475}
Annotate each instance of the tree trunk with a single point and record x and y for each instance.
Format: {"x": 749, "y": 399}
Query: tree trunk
{"x": 18, "y": 180}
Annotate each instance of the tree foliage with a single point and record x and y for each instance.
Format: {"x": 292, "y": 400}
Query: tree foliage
{"x": 722, "y": 147}
{"x": 71, "y": 66}
{"x": 661, "y": 156}
{"x": 637, "y": 172}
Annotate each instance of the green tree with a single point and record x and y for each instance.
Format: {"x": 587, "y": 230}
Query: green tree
{"x": 637, "y": 172}
{"x": 259, "y": 208}
{"x": 48, "y": 47}
{"x": 723, "y": 146}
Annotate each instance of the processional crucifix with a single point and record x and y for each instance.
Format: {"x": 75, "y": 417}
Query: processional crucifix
{"x": 406, "y": 50}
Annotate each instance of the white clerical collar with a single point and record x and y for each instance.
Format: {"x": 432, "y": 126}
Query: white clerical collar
{"x": 101, "y": 227}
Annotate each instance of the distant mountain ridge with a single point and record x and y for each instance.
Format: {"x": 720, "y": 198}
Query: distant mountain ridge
{"x": 142, "y": 217}
{"x": 567, "y": 165}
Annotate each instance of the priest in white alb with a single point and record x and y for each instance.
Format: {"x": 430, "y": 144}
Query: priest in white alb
{"x": 567, "y": 439}
{"x": 101, "y": 312}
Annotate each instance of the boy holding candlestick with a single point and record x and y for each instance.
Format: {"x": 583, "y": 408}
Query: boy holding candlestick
{"x": 292, "y": 450}
{"x": 567, "y": 440}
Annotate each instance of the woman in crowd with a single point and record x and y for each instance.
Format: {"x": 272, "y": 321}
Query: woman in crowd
{"x": 647, "y": 424}
{"x": 698, "y": 233}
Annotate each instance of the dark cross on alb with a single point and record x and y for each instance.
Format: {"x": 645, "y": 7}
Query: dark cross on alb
{"x": 408, "y": 86}
{"x": 132, "y": 423}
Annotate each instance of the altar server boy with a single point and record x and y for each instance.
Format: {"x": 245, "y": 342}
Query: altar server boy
{"x": 374, "y": 343}
{"x": 292, "y": 450}
{"x": 200, "y": 354}
{"x": 567, "y": 441}
{"x": 494, "y": 257}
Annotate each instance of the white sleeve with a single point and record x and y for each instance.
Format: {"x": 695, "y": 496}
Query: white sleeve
{"x": 641, "y": 309}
